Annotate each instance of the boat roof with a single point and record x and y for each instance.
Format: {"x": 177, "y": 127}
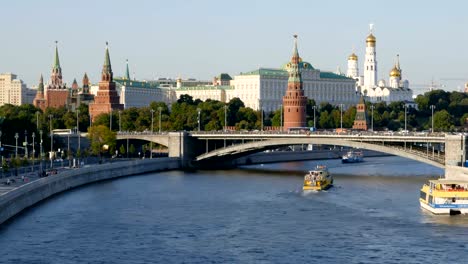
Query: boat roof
{"x": 448, "y": 181}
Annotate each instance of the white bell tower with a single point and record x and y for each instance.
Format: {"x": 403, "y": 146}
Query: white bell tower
{"x": 370, "y": 63}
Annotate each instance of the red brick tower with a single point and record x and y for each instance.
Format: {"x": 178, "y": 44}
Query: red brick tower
{"x": 294, "y": 102}
{"x": 107, "y": 99}
{"x": 360, "y": 121}
{"x": 56, "y": 93}
{"x": 39, "y": 100}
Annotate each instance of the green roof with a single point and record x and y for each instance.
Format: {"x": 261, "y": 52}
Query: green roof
{"x": 267, "y": 72}
{"x": 224, "y": 76}
{"x": 205, "y": 87}
{"x": 136, "y": 84}
{"x": 331, "y": 75}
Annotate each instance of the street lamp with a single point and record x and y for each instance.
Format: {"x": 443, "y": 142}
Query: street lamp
{"x": 16, "y": 145}
{"x": 120, "y": 119}
{"x": 160, "y": 111}
{"x": 225, "y": 118}
{"x": 406, "y": 106}
{"x": 26, "y": 144}
{"x": 315, "y": 124}
{"x": 341, "y": 116}
{"x": 51, "y": 156}
{"x": 372, "y": 116}
{"x": 33, "y": 150}
{"x": 432, "y": 110}
{"x": 261, "y": 114}
{"x": 40, "y": 149}
{"x": 281, "y": 117}
{"x": 151, "y": 142}
{"x": 78, "y": 130}
{"x": 198, "y": 118}
{"x": 110, "y": 120}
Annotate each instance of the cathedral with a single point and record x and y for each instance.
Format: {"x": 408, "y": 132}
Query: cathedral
{"x": 396, "y": 89}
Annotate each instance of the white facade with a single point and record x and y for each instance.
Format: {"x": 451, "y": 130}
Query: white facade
{"x": 213, "y": 92}
{"x": 14, "y": 91}
{"x": 397, "y": 88}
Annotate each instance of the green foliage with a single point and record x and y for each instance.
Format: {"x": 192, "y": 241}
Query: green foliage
{"x": 101, "y": 137}
{"x": 122, "y": 150}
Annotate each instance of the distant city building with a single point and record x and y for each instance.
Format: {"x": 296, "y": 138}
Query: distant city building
{"x": 397, "y": 88}
{"x": 107, "y": 98}
{"x": 361, "y": 120}
{"x": 294, "y": 101}
{"x": 466, "y": 87}
{"x": 14, "y": 91}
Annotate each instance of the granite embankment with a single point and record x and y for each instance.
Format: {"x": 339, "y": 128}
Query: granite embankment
{"x": 24, "y": 196}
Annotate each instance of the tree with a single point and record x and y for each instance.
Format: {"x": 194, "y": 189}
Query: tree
{"x": 443, "y": 121}
{"x": 132, "y": 150}
{"x": 101, "y": 139}
{"x": 122, "y": 150}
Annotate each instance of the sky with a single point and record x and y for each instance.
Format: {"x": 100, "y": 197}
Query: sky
{"x": 201, "y": 39}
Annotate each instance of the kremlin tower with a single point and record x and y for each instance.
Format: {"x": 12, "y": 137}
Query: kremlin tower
{"x": 39, "y": 100}
{"x": 56, "y": 93}
{"x": 360, "y": 120}
{"x": 294, "y": 102}
{"x": 107, "y": 98}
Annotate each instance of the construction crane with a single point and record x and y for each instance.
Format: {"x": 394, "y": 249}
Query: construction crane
{"x": 423, "y": 88}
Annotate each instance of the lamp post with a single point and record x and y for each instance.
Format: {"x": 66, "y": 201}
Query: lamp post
{"x": 151, "y": 143}
{"x": 341, "y": 117}
{"x": 372, "y": 117}
{"x": 160, "y": 111}
{"x": 432, "y": 112}
{"x": 405, "y": 116}
{"x": 110, "y": 120}
{"x": 51, "y": 142}
{"x": 26, "y": 144}
{"x": 261, "y": 114}
{"x": 37, "y": 120}
{"x": 120, "y": 119}
{"x": 198, "y": 118}
{"x": 225, "y": 118}
{"x": 315, "y": 124}
{"x": 16, "y": 145}
{"x": 281, "y": 117}
{"x": 33, "y": 149}
{"x": 78, "y": 132}
{"x": 40, "y": 148}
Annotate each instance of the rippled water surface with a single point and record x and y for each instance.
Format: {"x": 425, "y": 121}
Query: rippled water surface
{"x": 250, "y": 215}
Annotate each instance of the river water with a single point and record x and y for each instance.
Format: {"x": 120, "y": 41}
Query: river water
{"x": 257, "y": 214}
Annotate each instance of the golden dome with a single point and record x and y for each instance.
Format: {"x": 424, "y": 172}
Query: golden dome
{"x": 370, "y": 38}
{"x": 395, "y": 72}
{"x": 352, "y": 57}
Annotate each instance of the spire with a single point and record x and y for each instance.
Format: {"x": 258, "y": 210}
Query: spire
{"x": 107, "y": 63}
{"x": 74, "y": 84}
{"x": 40, "y": 87}
{"x": 127, "y": 72}
{"x": 107, "y": 69}
{"x": 295, "y": 52}
{"x": 56, "y": 59}
{"x": 397, "y": 64}
{"x": 85, "y": 84}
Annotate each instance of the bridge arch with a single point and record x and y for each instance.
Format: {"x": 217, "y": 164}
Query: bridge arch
{"x": 236, "y": 151}
{"x": 158, "y": 139}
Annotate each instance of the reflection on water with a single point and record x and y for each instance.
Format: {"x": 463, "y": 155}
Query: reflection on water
{"x": 256, "y": 214}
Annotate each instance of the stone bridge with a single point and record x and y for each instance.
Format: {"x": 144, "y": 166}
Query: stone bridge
{"x": 202, "y": 149}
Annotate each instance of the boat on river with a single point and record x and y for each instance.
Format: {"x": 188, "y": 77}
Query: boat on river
{"x": 318, "y": 179}
{"x": 445, "y": 196}
{"x": 353, "y": 156}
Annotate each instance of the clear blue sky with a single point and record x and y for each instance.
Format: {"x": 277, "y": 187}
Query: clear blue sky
{"x": 201, "y": 39}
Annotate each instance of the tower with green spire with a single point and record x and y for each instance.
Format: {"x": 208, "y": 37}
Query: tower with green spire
{"x": 107, "y": 99}
{"x": 361, "y": 120}
{"x": 127, "y": 73}
{"x": 39, "y": 100}
{"x": 56, "y": 75}
{"x": 294, "y": 101}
